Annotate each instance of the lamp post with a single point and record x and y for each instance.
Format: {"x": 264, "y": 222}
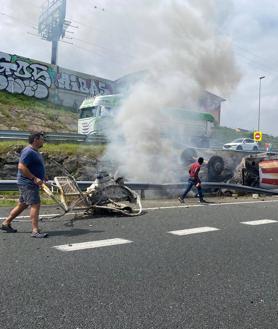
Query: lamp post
{"x": 259, "y": 114}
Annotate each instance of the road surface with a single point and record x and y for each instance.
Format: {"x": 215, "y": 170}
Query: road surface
{"x": 176, "y": 266}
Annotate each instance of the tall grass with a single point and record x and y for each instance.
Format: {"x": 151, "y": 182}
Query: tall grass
{"x": 25, "y": 113}
{"x": 94, "y": 151}
{"x": 10, "y": 199}
{"x": 17, "y": 100}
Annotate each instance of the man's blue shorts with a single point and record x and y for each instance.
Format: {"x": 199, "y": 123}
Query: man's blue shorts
{"x": 29, "y": 194}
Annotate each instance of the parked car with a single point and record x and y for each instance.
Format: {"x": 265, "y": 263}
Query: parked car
{"x": 242, "y": 144}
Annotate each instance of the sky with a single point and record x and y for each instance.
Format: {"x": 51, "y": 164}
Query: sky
{"x": 111, "y": 38}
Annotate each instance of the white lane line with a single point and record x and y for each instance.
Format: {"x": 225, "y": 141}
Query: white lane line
{"x": 91, "y": 244}
{"x": 210, "y": 204}
{"x": 194, "y": 230}
{"x": 26, "y": 218}
{"x": 260, "y": 222}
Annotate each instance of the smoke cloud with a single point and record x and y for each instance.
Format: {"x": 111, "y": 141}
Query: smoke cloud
{"x": 177, "y": 45}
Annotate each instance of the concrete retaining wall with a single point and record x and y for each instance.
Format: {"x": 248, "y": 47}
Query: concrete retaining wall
{"x": 59, "y": 85}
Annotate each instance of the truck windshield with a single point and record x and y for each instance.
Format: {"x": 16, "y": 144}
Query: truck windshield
{"x": 88, "y": 112}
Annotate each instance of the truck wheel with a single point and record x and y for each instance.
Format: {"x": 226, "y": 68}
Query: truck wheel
{"x": 215, "y": 166}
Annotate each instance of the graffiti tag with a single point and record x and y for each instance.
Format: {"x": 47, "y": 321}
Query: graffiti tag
{"x": 21, "y": 77}
{"x": 87, "y": 86}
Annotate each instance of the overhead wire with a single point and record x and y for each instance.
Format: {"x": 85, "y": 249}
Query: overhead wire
{"x": 17, "y": 19}
{"x": 258, "y": 61}
{"x": 102, "y": 47}
{"x": 250, "y": 56}
{"x": 99, "y": 54}
{"x": 107, "y": 50}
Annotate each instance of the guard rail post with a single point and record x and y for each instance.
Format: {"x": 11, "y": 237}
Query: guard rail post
{"x": 142, "y": 194}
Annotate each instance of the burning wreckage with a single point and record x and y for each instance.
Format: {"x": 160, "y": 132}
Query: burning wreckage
{"x": 105, "y": 193}
{"x": 257, "y": 172}
{"x": 228, "y": 170}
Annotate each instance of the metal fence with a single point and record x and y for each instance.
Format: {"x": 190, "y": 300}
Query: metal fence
{"x": 10, "y": 185}
{"x": 54, "y": 137}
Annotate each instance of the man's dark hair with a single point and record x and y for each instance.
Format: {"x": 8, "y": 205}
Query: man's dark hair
{"x": 200, "y": 160}
{"x": 35, "y": 135}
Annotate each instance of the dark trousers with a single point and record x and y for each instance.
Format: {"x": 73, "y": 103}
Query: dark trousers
{"x": 190, "y": 184}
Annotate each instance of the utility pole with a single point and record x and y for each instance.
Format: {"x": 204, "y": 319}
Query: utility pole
{"x": 259, "y": 113}
{"x": 52, "y": 24}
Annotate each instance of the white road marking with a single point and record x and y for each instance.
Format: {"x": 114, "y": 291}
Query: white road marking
{"x": 260, "y": 222}
{"x": 27, "y": 218}
{"x": 91, "y": 244}
{"x": 210, "y": 204}
{"x": 194, "y": 230}
{"x": 22, "y": 218}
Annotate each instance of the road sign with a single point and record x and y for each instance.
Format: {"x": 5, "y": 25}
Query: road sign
{"x": 257, "y": 136}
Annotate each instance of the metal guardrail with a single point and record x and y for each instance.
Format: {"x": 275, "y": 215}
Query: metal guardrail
{"x": 54, "y": 137}
{"x": 10, "y": 185}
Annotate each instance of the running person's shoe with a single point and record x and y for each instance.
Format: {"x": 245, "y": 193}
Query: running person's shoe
{"x": 181, "y": 200}
{"x": 39, "y": 235}
{"x": 8, "y": 228}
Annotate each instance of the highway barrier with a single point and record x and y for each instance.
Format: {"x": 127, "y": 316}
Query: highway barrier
{"x": 10, "y": 185}
{"x": 53, "y": 137}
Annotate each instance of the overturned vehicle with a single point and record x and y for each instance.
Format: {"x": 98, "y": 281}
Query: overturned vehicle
{"x": 258, "y": 170}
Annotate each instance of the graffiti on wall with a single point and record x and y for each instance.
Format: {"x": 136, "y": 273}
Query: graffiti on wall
{"x": 75, "y": 83}
{"x": 60, "y": 86}
{"x": 23, "y": 77}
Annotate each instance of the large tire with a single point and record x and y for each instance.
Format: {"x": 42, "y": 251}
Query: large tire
{"x": 215, "y": 167}
{"x": 239, "y": 148}
{"x": 255, "y": 148}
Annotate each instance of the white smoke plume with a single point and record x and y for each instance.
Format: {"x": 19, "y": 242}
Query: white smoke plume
{"x": 177, "y": 44}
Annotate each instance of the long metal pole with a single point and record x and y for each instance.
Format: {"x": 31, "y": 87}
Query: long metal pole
{"x": 259, "y": 114}
{"x": 54, "y": 52}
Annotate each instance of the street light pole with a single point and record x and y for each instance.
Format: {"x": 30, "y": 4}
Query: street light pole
{"x": 259, "y": 114}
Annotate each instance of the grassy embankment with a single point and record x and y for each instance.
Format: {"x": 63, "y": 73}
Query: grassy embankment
{"x": 225, "y": 135}
{"x": 19, "y": 112}
{"x": 94, "y": 151}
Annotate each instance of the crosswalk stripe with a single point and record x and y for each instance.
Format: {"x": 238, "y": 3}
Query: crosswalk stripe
{"x": 194, "y": 230}
{"x": 260, "y": 222}
{"x": 91, "y": 244}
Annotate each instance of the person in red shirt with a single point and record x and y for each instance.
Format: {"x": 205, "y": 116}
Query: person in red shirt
{"x": 194, "y": 179}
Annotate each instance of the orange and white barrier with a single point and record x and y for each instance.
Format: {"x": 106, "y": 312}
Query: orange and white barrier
{"x": 269, "y": 174}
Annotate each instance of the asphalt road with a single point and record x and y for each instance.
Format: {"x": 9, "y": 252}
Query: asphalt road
{"x": 222, "y": 276}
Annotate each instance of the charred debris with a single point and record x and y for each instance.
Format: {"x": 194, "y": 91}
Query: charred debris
{"x": 230, "y": 171}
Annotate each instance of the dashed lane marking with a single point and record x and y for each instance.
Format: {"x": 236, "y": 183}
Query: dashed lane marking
{"x": 194, "y": 230}
{"x": 260, "y": 222}
{"x": 91, "y": 244}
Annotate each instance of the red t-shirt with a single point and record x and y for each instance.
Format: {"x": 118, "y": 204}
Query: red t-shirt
{"x": 194, "y": 171}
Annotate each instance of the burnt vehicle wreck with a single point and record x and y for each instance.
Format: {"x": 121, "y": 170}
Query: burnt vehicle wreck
{"x": 255, "y": 170}
{"x": 105, "y": 193}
